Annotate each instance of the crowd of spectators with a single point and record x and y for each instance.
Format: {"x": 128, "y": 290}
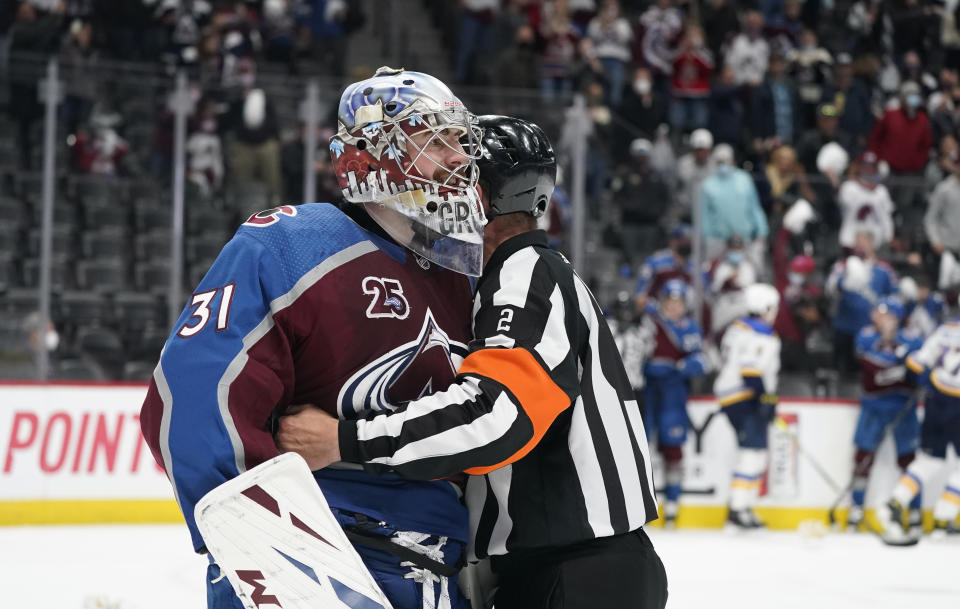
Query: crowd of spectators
{"x": 736, "y": 109}
{"x": 234, "y": 135}
{"x": 114, "y": 152}
{"x": 742, "y": 109}
{"x": 200, "y": 33}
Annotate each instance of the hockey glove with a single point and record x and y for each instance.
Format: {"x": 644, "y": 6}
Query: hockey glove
{"x": 768, "y": 406}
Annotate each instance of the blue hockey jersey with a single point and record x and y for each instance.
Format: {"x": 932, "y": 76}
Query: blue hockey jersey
{"x": 885, "y": 379}
{"x": 677, "y": 350}
{"x": 854, "y": 306}
{"x": 302, "y": 306}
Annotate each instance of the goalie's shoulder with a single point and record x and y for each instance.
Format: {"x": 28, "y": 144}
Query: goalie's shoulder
{"x": 299, "y": 238}
{"x": 287, "y": 226}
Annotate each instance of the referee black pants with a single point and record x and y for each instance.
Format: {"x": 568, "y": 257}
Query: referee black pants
{"x": 620, "y": 572}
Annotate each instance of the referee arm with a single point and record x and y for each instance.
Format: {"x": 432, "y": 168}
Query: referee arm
{"x": 503, "y": 401}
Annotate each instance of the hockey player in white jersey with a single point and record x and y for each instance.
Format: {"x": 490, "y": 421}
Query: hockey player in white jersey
{"x": 635, "y": 341}
{"x": 746, "y": 389}
{"x": 937, "y": 365}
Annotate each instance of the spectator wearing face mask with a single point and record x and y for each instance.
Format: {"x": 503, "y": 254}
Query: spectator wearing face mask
{"x": 865, "y": 204}
{"x": 729, "y": 275}
{"x": 642, "y": 109}
{"x": 731, "y": 207}
{"x": 801, "y": 302}
{"x": 692, "y": 169}
{"x": 903, "y": 139}
{"x": 690, "y": 83}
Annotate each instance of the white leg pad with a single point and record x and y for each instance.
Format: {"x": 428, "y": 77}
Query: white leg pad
{"x": 274, "y": 537}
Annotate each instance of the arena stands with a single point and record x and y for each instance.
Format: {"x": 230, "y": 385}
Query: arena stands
{"x": 799, "y": 91}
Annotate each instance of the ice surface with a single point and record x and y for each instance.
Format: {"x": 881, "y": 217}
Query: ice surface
{"x": 152, "y": 567}
{"x": 787, "y": 570}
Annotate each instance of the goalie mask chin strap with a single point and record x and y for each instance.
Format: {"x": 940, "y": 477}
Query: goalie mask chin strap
{"x": 359, "y": 536}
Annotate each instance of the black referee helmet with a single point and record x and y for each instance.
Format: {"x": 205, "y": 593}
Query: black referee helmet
{"x": 518, "y": 167}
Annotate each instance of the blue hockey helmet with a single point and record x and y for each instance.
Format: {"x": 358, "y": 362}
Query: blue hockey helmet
{"x": 681, "y": 231}
{"x": 674, "y": 288}
{"x": 891, "y": 305}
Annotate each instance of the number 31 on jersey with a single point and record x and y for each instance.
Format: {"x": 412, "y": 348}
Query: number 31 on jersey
{"x": 202, "y": 302}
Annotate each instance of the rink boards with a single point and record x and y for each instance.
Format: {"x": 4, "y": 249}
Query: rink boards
{"x": 73, "y": 453}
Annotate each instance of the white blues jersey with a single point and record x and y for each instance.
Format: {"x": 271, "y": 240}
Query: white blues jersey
{"x": 750, "y": 350}
{"x": 940, "y": 358}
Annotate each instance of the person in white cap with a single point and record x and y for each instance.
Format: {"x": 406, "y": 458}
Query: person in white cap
{"x": 692, "y": 169}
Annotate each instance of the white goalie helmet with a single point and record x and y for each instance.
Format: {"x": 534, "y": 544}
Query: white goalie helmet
{"x": 762, "y": 300}
{"x": 406, "y": 149}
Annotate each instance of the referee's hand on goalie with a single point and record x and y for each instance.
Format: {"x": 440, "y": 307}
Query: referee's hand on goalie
{"x": 310, "y": 432}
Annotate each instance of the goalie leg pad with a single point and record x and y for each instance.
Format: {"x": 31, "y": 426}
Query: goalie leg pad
{"x": 220, "y": 594}
{"x": 277, "y": 542}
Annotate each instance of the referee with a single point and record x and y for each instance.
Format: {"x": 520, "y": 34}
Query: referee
{"x": 542, "y": 414}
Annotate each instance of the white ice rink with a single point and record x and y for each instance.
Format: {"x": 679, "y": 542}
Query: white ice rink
{"x": 151, "y": 567}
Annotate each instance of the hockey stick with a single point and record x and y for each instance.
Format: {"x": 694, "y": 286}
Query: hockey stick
{"x": 781, "y": 424}
{"x": 864, "y": 466}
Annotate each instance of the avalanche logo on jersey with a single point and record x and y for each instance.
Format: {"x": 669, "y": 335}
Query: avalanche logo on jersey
{"x": 270, "y": 216}
{"x": 398, "y": 376}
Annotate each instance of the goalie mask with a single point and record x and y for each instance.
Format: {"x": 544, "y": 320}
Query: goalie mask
{"x": 406, "y": 150}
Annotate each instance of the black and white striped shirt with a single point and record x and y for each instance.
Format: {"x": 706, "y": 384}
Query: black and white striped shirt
{"x": 542, "y": 414}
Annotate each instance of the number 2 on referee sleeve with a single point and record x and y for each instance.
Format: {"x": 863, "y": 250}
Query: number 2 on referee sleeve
{"x": 506, "y": 318}
{"x": 201, "y": 313}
